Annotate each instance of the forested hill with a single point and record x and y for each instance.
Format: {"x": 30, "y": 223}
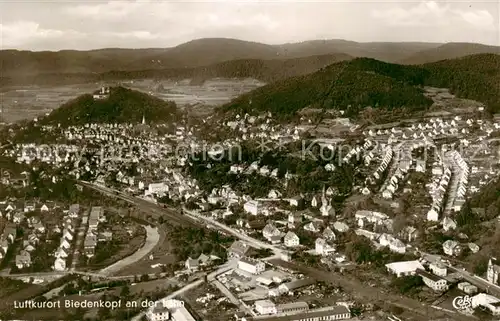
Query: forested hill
{"x": 265, "y": 70}
{"x": 122, "y": 106}
{"x": 349, "y": 86}
{"x": 474, "y": 77}
{"x": 355, "y": 84}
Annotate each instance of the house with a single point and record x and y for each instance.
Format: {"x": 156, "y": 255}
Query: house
{"x": 23, "y": 259}
{"x": 328, "y": 234}
{"x": 433, "y": 281}
{"x": 322, "y": 247}
{"x": 238, "y": 249}
{"x": 449, "y": 224}
{"x": 467, "y": 288}
{"x": 10, "y": 233}
{"x": 294, "y": 218}
{"x": 438, "y": 269}
{"x": 264, "y": 307}
{"x": 452, "y": 248}
{"x": 89, "y": 244}
{"x": 269, "y": 231}
{"x": 340, "y": 227}
{"x": 250, "y": 265}
{"x": 404, "y": 268}
{"x": 433, "y": 214}
{"x": 313, "y": 226}
{"x": 158, "y": 313}
{"x": 252, "y": 207}
{"x": 291, "y": 239}
{"x": 192, "y": 264}
{"x": 295, "y": 201}
{"x": 29, "y": 207}
{"x": 59, "y": 265}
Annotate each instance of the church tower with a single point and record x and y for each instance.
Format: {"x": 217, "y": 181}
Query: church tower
{"x": 492, "y": 272}
{"x": 143, "y": 119}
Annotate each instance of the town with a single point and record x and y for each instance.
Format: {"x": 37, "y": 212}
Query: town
{"x": 277, "y": 244}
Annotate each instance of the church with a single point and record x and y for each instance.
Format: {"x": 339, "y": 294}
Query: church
{"x": 493, "y": 272}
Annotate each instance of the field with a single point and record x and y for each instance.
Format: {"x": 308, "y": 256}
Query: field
{"x": 31, "y": 101}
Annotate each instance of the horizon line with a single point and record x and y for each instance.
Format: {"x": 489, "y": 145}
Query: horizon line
{"x": 250, "y": 41}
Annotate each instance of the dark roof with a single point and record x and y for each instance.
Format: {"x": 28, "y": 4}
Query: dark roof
{"x": 428, "y": 275}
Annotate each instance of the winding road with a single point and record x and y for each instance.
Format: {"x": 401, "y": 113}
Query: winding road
{"x": 152, "y": 238}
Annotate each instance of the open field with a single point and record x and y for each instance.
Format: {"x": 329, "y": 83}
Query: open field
{"x": 31, "y": 101}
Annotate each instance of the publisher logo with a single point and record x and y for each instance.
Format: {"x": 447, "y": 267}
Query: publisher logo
{"x": 462, "y": 303}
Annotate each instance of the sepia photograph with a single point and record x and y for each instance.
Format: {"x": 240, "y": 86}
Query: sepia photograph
{"x": 249, "y": 160}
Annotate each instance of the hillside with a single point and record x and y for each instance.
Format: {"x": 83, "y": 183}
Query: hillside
{"x": 349, "y": 86}
{"x": 352, "y": 85}
{"x": 266, "y": 70}
{"x": 195, "y": 53}
{"x": 474, "y": 77}
{"x": 449, "y": 51}
{"x": 384, "y": 51}
{"x": 122, "y": 106}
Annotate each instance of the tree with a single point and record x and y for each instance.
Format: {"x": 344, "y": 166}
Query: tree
{"x": 125, "y": 291}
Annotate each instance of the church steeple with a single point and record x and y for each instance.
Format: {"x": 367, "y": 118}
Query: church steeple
{"x": 143, "y": 119}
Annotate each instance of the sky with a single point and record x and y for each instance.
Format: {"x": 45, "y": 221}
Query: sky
{"x": 83, "y": 25}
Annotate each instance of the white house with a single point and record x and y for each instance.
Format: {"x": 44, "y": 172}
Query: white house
{"x": 250, "y": 265}
{"x": 59, "y": 265}
{"x": 264, "y": 307}
{"x": 322, "y": 247}
{"x": 404, "y": 268}
{"x": 291, "y": 239}
{"x": 433, "y": 281}
{"x": 452, "y": 248}
{"x": 252, "y": 207}
{"x": 158, "y": 313}
{"x": 438, "y": 268}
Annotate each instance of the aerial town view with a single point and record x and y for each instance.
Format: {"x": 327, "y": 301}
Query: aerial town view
{"x": 217, "y": 161}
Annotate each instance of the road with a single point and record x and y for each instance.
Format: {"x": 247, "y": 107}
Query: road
{"x": 80, "y": 236}
{"x": 152, "y": 238}
{"x": 152, "y": 209}
{"x": 194, "y": 220}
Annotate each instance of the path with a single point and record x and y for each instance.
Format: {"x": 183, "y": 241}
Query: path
{"x": 152, "y": 239}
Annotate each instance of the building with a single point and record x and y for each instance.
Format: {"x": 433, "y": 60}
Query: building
{"x": 404, "y": 268}
{"x": 433, "y": 281}
{"x": 238, "y": 249}
{"x": 467, "y": 288}
{"x": 95, "y": 215}
{"x": 252, "y": 207}
{"x": 264, "y": 307}
{"x": 338, "y": 312}
{"x": 488, "y": 302}
{"x": 252, "y": 266}
{"x": 294, "y": 285}
{"x": 322, "y": 247}
{"x": 291, "y": 239}
{"x": 158, "y": 313}
{"x": 294, "y": 307}
{"x": 493, "y": 272}
{"x": 438, "y": 269}
{"x": 452, "y": 248}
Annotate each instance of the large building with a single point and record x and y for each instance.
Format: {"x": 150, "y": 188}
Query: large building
{"x": 338, "y": 312}
{"x": 252, "y": 266}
